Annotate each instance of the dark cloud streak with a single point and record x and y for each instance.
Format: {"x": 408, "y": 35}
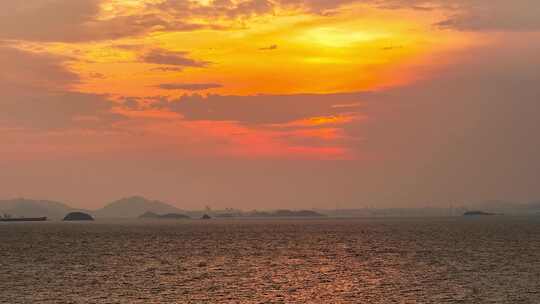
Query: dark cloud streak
{"x": 262, "y": 109}
{"x": 164, "y": 57}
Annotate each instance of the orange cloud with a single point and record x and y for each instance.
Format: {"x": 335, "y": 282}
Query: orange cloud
{"x": 274, "y": 78}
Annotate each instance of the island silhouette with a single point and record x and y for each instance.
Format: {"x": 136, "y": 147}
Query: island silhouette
{"x": 78, "y": 216}
{"x": 134, "y": 207}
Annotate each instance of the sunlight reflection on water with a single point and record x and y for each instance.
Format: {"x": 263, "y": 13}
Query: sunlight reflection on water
{"x": 451, "y": 260}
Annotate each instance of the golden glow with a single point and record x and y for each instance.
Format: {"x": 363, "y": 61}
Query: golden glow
{"x": 336, "y": 37}
{"x": 356, "y": 48}
{"x": 321, "y": 121}
{"x": 362, "y": 48}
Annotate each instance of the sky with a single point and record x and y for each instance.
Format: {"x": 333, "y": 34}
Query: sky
{"x": 264, "y": 104}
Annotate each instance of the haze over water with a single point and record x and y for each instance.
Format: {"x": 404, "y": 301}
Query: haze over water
{"x": 438, "y": 260}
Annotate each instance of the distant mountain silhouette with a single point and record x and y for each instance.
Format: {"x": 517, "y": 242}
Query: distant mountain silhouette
{"x": 34, "y": 208}
{"x": 133, "y": 207}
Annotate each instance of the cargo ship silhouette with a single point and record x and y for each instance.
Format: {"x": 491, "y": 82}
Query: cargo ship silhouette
{"x": 8, "y": 218}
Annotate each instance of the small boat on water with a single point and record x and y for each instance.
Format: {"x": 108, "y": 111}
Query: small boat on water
{"x": 22, "y": 219}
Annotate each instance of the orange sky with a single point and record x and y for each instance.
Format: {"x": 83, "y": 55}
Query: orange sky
{"x": 357, "y": 47}
{"x": 367, "y": 82}
{"x": 244, "y": 48}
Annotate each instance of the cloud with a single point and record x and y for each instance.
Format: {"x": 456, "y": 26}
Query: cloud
{"x": 167, "y": 69}
{"x": 223, "y": 9}
{"x": 493, "y": 16}
{"x": 262, "y": 109}
{"x": 77, "y": 21}
{"x": 189, "y": 86}
{"x": 43, "y": 111}
{"x": 81, "y": 21}
{"x": 35, "y": 94}
{"x": 391, "y": 48}
{"x": 45, "y": 20}
{"x": 478, "y": 15}
{"x": 269, "y": 48}
{"x": 163, "y": 57}
{"x": 27, "y": 69}
{"x": 317, "y": 6}
{"x": 466, "y": 15}
{"x": 467, "y": 132}
{"x": 253, "y": 7}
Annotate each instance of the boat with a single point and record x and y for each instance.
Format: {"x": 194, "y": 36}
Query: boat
{"x": 477, "y": 213}
{"x": 22, "y": 219}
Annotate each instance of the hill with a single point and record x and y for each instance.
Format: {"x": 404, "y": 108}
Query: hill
{"x": 133, "y": 207}
{"x": 34, "y": 208}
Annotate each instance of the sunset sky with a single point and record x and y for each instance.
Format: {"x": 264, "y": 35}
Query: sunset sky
{"x": 270, "y": 103}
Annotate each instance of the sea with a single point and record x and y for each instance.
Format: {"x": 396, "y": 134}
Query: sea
{"x": 379, "y": 260}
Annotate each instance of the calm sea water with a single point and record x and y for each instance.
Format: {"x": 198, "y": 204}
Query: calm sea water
{"x": 452, "y": 260}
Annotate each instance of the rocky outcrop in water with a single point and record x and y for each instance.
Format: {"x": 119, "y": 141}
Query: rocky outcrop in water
{"x": 78, "y": 216}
